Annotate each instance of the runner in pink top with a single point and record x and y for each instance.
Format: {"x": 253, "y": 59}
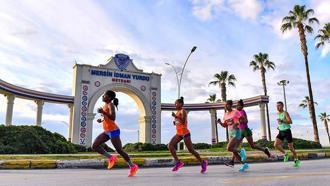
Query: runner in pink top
{"x": 232, "y": 120}
{"x": 246, "y": 132}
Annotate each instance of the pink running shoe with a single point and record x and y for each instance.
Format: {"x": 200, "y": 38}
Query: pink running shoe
{"x": 204, "y": 166}
{"x": 133, "y": 170}
{"x": 111, "y": 161}
{"x": 177, "y": 166}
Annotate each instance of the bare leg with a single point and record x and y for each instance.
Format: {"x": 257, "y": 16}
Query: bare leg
{"x": 190, "y": 148}
{"x": 116, "y": 142}
{"x": 175, "y": 140}
{"x": 278, "y": 145}
{"x": 252, "y": 145}
{"x": 236, "y": 147}
{"x": 290, "y": 145}
{"x": 100, "y": 139}
{"x": 231, "y": 147}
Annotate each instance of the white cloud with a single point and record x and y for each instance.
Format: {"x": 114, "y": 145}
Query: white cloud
{"x": 276, "y": 23}
{"x": 247, "y": 9}
{"x": 206, "y": 9}
{"x": 321, "y": 8}
{"x": 325, "y": 49}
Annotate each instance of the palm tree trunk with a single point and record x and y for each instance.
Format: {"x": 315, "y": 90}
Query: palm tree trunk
{"x": 224, "y": 98}
{"x": 263, "y": 79}
{"x": 223, "y": 92}
{"x": 304, "y": 50}
{"x": 327, "y": 128}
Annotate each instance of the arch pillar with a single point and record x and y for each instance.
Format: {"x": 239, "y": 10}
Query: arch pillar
{"x": 213, "y": 114}
{"x": 263, "y": 121}
{"x": 40, "y": 104}
{"x": 10, "y": 108}
{"x": 144, "y": 129}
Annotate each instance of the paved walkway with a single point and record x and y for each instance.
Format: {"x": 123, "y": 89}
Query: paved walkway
{"x": 312, "y": 172}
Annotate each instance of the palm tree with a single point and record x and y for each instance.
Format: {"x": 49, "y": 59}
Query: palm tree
{"x": 306, "y": 102}
{"x": 325, "y": 118}
{"x": 300, "y": 18}
{"x": 222, "y": 80}
{"x": 323, "y": 36}
{"x": 261, "y": 62}
{"x": 213, "y": 99}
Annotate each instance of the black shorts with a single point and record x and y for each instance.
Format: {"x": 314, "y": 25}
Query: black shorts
{"x": 286, "y": 134}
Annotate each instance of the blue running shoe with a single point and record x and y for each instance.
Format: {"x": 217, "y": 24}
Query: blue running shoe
{"x": 244, "y": 167}
{"x": 243, "y": 154}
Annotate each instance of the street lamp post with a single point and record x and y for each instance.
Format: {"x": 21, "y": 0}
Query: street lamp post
{"x": 177, "y": 77}
{"x": 283, "y": 83}
{"x": 181, "y": 74}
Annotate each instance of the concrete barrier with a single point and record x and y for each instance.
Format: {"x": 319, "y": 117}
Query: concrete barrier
{"x": 15, "y": 164}
{"x": 43, "y": 164}
{"x": 83, "y": 163}
{"x": 142, "y": 162}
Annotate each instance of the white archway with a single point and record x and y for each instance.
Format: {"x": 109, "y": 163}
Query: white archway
{"x": 120, "y": 75}
{"x": 134, "y": 93}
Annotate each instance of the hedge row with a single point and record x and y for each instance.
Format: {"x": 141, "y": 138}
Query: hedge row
{"x": 37, "y": 140}
{"x": 34, "y": 140}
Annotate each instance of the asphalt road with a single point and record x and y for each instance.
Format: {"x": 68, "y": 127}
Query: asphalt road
{"x": 312, "y": 172}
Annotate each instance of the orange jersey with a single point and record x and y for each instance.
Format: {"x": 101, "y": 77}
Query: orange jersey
{"x": 181, "y": 128}
{"x": 108, "y": 124}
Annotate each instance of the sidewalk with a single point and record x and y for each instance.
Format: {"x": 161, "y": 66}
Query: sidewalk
{"x": 143, "y": 162}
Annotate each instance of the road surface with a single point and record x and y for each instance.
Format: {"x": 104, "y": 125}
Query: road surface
{"x": 312, "y": 172}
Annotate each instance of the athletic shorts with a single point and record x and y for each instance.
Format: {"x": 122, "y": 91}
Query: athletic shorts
{"x": 285, "y": 134}
{"x": 235, "y": 133}
{"x": 184, "y": 136}
{"x": 113, "y": 134}
{"x": 246, "y": 132}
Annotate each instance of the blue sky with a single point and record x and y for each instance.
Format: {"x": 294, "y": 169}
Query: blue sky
{"x": 40, "y": 42}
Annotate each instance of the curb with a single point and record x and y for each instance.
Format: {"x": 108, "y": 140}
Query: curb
{"x": 142, "y": 162}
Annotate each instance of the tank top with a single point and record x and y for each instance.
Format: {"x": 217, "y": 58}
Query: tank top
{"x": 231, "y": 117}
{"x": 108, "y": 124}
{"x": 242, "y": 125}
{"x": 282, "y": 126}
{"x": 181, "y": 128}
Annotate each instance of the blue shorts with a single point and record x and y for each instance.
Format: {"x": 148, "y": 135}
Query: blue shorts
{"x": 235, "y": 133}
{"x": 184, "y": 136}
{"x": 113, "y": 134}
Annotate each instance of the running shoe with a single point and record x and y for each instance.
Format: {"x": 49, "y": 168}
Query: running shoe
{"x": 204, "y": 166}
{"x": 229, "y": 163}
{"x": 111, "y": 161}
{"x": 177, "y": 166}
{"x": 296, "y": 163}
{"x": 244, "y": 167}
{"x": 286, "y": 158}
{"x": 266, "y": 151}
{"x": 133, "y": 170}
{"x": 243, "y": 154}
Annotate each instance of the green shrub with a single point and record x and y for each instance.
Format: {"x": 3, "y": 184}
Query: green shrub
{"x": 139, "y": 147}
{"x": 297, "y": 143}
{"x": 201, "y": 146}
{"x": 34, "y": 140}
{"x": 104, "y": 146}
{"x": 221, "y": 144}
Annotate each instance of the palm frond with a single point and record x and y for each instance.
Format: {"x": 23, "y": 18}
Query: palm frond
{"x": 309, "y": 29}
{"x": 313, "y": 20}
{"x": 286, "y": 27}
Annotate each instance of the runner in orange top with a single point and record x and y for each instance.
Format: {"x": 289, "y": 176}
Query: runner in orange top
{"x": 111, "y": 131}
{"x": 182, "y": 132}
